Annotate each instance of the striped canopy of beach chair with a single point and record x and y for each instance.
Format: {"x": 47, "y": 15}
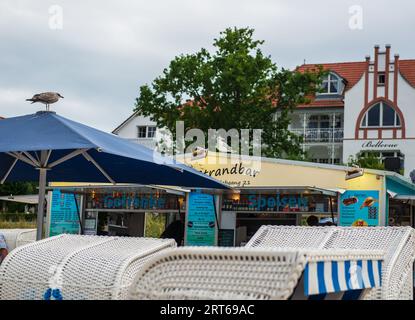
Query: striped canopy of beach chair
{"x": 340, "y": 275}
{"x": 398, "y": 244}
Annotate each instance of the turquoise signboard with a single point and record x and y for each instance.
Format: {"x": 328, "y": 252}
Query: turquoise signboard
{"x": 63, "y": 214}
{"x": 359, "y": 208}
{"x": 200, "y": 228}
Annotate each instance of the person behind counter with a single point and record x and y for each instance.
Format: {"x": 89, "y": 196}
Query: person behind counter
{"x": 312, "y": 221}
{"x": 175, "y": 230}
{"x": 3, "y": 248}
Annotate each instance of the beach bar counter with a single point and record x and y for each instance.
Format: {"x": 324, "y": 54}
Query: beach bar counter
{"x": 286, "y": 192}
{"x": 264, "y": 192}
{"x": 122, "y": 210}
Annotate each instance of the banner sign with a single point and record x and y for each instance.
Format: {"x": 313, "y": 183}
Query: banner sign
{"x": 63, "y": 214}
{"x": 359, "y": 208}
{"x": 200, "y": 227}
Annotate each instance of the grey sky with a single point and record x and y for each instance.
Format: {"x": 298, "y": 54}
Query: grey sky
{"x": 107, "y": 49}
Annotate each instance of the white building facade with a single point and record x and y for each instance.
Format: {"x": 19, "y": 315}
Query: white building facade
{"x": 139, "y": 129}
{"x": 380, "y": 110}
{"x": 365, "y": 106}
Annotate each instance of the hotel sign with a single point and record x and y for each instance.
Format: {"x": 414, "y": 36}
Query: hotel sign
{"x": 379, "y": 144}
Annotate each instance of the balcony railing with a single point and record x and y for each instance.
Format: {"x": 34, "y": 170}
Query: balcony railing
{"x": 320, "y": 135}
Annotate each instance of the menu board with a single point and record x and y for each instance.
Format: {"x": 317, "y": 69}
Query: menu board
{"x": 90, "y": 223}
{"x": 200, "y": 226}
{"x": 226, "y": 238}
{"x": 359, "y": 208}
{"x": 63, "y": 214}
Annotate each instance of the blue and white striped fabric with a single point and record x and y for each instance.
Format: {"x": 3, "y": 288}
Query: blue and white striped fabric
{"x": 334, "y": 276}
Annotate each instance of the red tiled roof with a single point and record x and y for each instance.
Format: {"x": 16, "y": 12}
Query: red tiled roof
{"x": 350, "y": 71}
{"x": 407, "y": 69}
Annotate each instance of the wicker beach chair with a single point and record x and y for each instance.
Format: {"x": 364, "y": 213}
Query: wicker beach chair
{"x": 398, "y": 244}
{"x": 73, "y": 267}
{"x": 18, "y": 237}
{"x": 256, "y": 274}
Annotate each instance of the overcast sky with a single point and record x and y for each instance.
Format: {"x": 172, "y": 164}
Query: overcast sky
{"x": 105, "y": 50}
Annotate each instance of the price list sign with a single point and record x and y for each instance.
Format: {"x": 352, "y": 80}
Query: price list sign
{"x": 63, "y": 214}
{"x": 200, "y": 228}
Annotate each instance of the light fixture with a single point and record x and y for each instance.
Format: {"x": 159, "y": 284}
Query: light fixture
{"x": 354, "y": 173}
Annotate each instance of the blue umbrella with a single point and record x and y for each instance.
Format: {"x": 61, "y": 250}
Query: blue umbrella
{"x": 47, "y": 147}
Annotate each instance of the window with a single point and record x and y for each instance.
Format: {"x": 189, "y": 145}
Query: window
{"x": 381, "y": 79}
{"x": 320, "y": 122}
{"x": 381, "y": 115}
{"x": 373, "y": 116}
{"x": 324, "y": 122}
{"x": 142, "y": 132}
{"x": 146, "y": 132}
{"x": 330, "y": 85}
{"x": 151, "y": 132}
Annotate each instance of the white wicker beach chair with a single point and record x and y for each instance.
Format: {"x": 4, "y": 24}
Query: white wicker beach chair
{"x": 18, "y": 237}
{"x": 291, "y": 237}
{"x": 254, "y": 274}
{"x": 397, "y": 242}
{"x": 73, "y": 267}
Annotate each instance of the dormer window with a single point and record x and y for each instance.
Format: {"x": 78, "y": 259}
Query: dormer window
{"x": 381, "y": 115}
{"x": 330, "y": 84}
{"x": 146, "y": 132}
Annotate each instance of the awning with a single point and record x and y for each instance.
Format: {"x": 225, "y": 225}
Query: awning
{"x": 338, "y": 190}
{"x": 391, "y": 193}
{"x": 322, "y": 277}
{"x": 405, "y": 197}
{"x": 106, "y": 188}
{"x": 289, "y": 189}
{"x": 28, "y": 199}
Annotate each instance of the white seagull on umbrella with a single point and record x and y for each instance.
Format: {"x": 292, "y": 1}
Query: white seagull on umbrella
{"x": 46, "y": 98}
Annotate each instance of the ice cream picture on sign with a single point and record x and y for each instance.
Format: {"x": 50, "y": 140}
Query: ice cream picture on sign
{"x": 350, "y": 201}
{"x": 369, "y": 201}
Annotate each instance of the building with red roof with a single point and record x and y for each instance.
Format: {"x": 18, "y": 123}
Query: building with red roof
{"x": 364, "y": 106}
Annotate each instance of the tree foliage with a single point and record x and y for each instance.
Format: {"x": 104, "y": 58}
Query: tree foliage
{"x": 237, "y": 86}
{"x": 369, "y": 161}
{"x": 17, "y": 188}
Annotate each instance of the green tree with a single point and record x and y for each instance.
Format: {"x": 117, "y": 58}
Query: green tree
{"x": 369, "y": 161}
{"x": 237, "y": 86}
{"x": 17, "y": 188}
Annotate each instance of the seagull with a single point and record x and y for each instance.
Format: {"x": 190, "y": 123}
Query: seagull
{"x": 46, "y": 98}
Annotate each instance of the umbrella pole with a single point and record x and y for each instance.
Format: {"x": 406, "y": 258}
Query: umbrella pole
{"x": 41, "y": 205}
